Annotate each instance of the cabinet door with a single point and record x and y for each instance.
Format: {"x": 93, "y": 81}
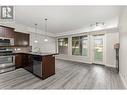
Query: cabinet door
{"x": 48, "y": 66}
{"x": 18, "y": 61}
{"x": 6, "y": 32}
{"x": 9, "y": 32}
{"x": 25, "y": 39}
{"x": 2, "y": 33}
{"x": 24, "y": 60}
{"x": 21, "y": 39}
{"x": 17, "y": 38}
{"x": 29, "y": 63}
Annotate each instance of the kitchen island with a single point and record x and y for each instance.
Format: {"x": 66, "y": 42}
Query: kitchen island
{"x": 41, "y": 65}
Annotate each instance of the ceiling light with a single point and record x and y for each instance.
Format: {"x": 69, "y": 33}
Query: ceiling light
{"x": 36, "y": 41}
{"x": 18, "y": 49}
{"x": 46, "y": 39}
{"x": 97, "y": 24}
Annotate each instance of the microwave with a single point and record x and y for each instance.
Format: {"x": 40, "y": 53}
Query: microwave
{"x": 6, "y": 42}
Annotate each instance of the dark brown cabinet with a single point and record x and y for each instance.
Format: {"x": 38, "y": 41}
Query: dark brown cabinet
{"x": 18, "y": 61}
{"x": 2, "y": 34}
{"x": 48, "y": 66}
{"x": 29, "y": 63}
{"x": 26, "y": 61}
{"x": 21, "y": 39}
{"x": 9, "y": 32}
{"x": 6, "y": 32}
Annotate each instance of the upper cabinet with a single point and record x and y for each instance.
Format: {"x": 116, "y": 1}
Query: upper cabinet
{"x": 2, "y": 34}
{"x": 6, "y": 32}
{"x": 21, "y": 39}
{"x": 9, "y": 32}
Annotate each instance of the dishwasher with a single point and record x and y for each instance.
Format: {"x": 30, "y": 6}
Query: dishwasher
{"x": 37, "y": 65}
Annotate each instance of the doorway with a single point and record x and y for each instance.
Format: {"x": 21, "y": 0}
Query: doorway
{"x": 98, "y": 49}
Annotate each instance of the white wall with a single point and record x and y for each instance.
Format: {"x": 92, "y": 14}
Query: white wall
{"x": 111, "y": 37}
{"x": 123, "y": 46}
{"x": 49, "y": 46}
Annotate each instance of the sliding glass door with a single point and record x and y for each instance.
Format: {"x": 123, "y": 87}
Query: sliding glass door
{"x": 98, "y": 49}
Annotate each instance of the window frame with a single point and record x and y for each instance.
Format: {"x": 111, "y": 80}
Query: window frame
{"x": 63, "y": 46}
{"x": 80, "y": 45}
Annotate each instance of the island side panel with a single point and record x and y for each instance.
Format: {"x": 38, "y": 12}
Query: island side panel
{"x": 48, "y": 66}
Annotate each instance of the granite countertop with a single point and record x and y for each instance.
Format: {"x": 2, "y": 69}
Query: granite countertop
{"x": 37, "y": 53}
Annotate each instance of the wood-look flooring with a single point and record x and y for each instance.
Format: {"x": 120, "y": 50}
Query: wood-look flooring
{"x": 69, "y": 75}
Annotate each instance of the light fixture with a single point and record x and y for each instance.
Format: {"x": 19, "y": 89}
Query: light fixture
{"x": 36, "y": 41}
{"x": 97, "y": 24}
{"x": 46, "y": 39}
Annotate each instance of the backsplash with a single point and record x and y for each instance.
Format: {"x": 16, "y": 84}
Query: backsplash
{"x": 22, "y": 49}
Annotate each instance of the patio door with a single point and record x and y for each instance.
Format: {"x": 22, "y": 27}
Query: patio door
{"x": 98, "y": 49}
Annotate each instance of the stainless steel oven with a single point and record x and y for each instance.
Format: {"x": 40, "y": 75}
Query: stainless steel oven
{"x": 7, "y": 58}
{"x": 7, "y": 63}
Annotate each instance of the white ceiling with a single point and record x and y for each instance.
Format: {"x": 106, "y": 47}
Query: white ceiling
{"x": 64, "y": 18}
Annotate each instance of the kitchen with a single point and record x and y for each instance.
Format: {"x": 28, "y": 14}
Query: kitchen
{"x": 15, "y": 53}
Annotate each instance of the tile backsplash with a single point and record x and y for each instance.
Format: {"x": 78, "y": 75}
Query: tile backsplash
{"x": 22, "y": 49}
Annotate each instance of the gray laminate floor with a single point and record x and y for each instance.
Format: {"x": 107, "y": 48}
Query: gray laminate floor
{"x": 69, "y": 75}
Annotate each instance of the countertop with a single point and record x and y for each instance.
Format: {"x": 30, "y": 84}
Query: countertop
{"x": 37, "y": 53}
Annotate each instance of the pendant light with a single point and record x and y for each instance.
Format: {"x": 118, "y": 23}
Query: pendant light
{"x": 46, "y": 38}
{"x": 36, "y": 41}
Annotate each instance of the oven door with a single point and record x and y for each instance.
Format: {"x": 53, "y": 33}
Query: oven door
{"x": 7, "y": 62}
{"x": 6, "y": 59}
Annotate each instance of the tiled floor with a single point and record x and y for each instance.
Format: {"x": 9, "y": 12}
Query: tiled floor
{"x": 69, "y": 75}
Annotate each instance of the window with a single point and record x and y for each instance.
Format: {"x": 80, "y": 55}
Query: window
{"x": 63, "y": 45}
{"x": 80, "y": 45}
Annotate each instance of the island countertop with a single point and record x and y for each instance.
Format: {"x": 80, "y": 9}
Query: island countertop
{"x": 37, "y": 53}
{"x": 40, "y": 64}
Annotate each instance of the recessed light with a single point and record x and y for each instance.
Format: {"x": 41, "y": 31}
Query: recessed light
{"x": 36, "y": 41}
{"x": 45, "y": 40}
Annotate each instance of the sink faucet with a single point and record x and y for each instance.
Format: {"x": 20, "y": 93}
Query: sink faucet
{"x": 37, "y": 49}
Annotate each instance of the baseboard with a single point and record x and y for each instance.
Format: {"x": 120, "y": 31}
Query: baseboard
{"x": 125, "y": 85}
{"x": 73, "y": 61}
{"x": 110, "y": 66}
{"x": 66, "y": 59}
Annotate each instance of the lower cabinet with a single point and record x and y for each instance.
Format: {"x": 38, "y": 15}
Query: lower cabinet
{"x": 24, "y": 61}
{"x": 28, "y": 63}
{"x": 18, "y": 61}
{"x": 48, "y": 66}
{"x": 41, "y": 66}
